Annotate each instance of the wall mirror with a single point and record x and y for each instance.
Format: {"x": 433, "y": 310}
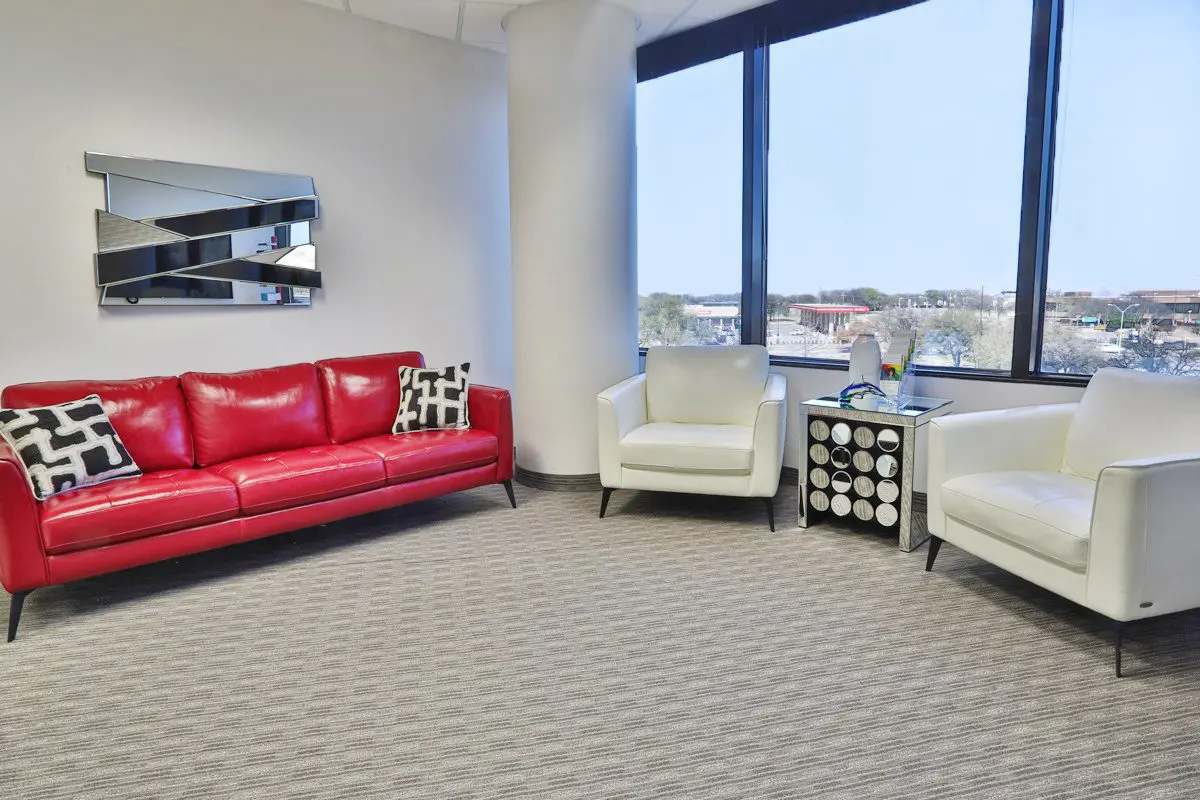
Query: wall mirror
{"x": 190, "y": 234}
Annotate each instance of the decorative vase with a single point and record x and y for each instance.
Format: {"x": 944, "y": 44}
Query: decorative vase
{"x": 866, "y": 360}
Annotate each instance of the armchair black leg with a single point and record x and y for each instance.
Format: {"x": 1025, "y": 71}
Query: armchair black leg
{"x": 935, "y": 544}
{"x": 14, "y": 613}
{"x": 1118, "y": 635}
{"x": 770, "y": 512}
{"x": 512, "y": 498}
{"x": 604, "y": 501}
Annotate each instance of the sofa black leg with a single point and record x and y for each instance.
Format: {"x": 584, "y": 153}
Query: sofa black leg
{"x": 604, "y": 501}
{"x": 1118, "y": 635}
{"x": 512, "y": 498}
{"x": 14, "y": 613}
{"x": 935, "y": 544}
{"x": 770, "y": 512}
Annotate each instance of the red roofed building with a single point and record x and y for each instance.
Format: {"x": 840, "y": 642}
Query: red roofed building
{"x": 825, "y": 317}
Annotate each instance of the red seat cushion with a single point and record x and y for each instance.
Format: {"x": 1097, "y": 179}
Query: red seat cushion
{"x": 248, "y": 413}
{"x": 362, "y": 394}
{"x": 274, "y": 481}
{"x": 148, "y": 414}
{"x": 413, "y": 456}
{"x": 159, "y": 502}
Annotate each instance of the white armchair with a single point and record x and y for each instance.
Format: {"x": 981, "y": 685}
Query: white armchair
{"x": 1093, "y": 501}
{"x": 701, "y": 420}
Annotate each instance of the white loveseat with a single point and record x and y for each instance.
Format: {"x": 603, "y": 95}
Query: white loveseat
{"x": 1095, "y": 501}
{"x": 701, "y": 420}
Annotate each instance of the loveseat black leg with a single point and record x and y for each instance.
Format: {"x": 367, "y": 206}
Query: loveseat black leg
{"x": 512, "y": 498}
{"x": 770, "y": 512}
{"x": 604, "y": 501}
{"x": 935, "y": 544}
{"x": 14, "y": 613}
{"x": 1118, "y": 635}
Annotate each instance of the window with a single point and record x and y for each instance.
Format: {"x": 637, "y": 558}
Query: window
{"x": 894, "y": 181}
{"x": 689, "y": 200}
{"x": 1123, "y": 277}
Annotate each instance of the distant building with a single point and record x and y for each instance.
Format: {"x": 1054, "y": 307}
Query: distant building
{"x": 1183, "y": 305}
{"x": 723, "y": 316}
{"x": 825, "y": 317}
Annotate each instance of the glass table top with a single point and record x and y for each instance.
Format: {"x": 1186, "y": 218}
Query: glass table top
{"x": 903, "y": 406}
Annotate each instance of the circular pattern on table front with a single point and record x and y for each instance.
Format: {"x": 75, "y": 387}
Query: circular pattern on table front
{"x": 864, "y": 461}
{"x": 841, "y": 433}
{"x": 818, "y": 501}
{"x": 840, "y": 456}
{"x": 841, "y": 482}
{"x": 818, "y": 478}
{"x": 864, "y": 510}
{"x": 888, "y": 491}
{"x": 887, "y": 515}
{"x": 887, "y": 466}
{"x": 864, "y": 486}
{"x": 840, "y": 504}
{"x": 888, "y": 440}
{"x": 818, "y": 429}
{"x": 819, "y": 454}
{"x": 864, "y": 437}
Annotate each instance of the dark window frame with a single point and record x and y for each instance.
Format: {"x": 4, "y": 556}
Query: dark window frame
{"x": 752, "y": 32}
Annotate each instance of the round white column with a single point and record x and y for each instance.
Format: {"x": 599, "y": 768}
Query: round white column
{"x": 571, "y": 81}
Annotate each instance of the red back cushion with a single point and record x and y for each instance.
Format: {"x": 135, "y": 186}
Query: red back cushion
{"x": 260, "y": 411}
{"x": 362, "y": 394}
{"x": 148, "y": 414}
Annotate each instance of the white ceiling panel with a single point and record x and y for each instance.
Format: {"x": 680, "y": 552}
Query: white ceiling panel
{"x": 481, "y": 22}
{"x": 708, "y": 10}
{"x": 477, "y": 22}
{"x": 435, "y": 17}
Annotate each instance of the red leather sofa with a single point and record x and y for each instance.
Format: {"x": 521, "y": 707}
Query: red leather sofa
{"x": 232, "y": 457}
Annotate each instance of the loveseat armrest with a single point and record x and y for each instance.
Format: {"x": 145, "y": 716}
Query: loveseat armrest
{"x": 1029, "y": 438}
{"x": 22, "y": 559}
{"x": 770, "y": 432}
{"x": 490, "y": 409}
{"x": 619, "y": 409}
{"x": 1144, "y": 551}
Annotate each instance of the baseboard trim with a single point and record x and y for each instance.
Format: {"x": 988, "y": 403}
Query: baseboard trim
{"x": 558, "y": 483}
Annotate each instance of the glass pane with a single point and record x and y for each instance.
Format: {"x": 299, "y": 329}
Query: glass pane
{"x": 896, "y": 152}
{"x": 1123, "y": 283}
{"x": 689, "y": 140}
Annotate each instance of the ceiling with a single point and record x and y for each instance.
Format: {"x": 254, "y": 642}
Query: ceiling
{"x": 477, "y": 22}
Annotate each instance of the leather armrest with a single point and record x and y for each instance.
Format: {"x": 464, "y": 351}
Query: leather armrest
{"x": 1030, "y": 438}
{"x": 619, "y": 409}
{"x": 770, "y": 431}
{"x": 491, "y": 410}
{"x": 1145, "y": 545}
{"x": 22, "y": 559}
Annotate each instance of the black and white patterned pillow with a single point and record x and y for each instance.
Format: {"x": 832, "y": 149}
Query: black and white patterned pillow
{"x": 68, "y": 446}
{"x": 432, "y": 399}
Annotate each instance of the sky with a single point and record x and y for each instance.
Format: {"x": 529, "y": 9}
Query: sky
{"x": 896, "y": 147}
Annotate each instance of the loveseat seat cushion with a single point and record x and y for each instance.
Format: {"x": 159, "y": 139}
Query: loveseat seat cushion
{"x": 720, "y": 449}
{"x": 362, "y": 394}
{"x": 1049, "y": 513}
{"x": 159, "y": 502}
{"x": 274, "y": 481}
{"x": 250, "y": 413}
{"x": 148, "y": 414}
{"x": 413, "y": 456}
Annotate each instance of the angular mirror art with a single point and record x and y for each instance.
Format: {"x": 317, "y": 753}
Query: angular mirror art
{"x": 190, "y": 234}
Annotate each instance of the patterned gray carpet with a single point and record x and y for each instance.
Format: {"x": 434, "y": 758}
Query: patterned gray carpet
{"x": 458, "y": 649}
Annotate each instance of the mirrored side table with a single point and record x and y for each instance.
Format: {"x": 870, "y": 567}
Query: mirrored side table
{"x": 859, "y": 463}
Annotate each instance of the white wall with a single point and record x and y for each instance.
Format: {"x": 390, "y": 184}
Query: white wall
{"x": 404, "y": 134}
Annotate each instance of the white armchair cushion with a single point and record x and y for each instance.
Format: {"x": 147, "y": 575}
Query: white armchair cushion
{"x": 726, "y": 449}
{"x": 1128, "y": 415}
{"x": 705, "y": 385}
{"x": 1049, "y": 513}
